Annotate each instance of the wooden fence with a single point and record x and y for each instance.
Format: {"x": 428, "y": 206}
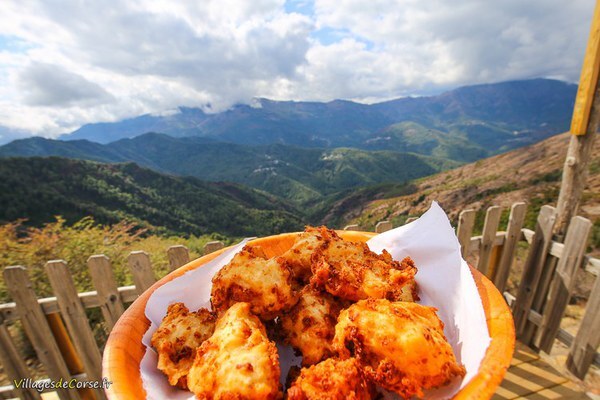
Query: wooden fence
{"x": 59, "y": 330}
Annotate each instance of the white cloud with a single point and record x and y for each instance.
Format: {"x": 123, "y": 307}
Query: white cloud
{"x": 51, "y": 85}
{"x": 85, "y": 61}
{"x": 449, "y": 43}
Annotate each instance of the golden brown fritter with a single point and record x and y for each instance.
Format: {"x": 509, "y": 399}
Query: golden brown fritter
{"x": 238, "y": 361}
{"x": 310, "y": 325}
{"x": 400, "y": 346}
{"x": 177, "y": 338}
{"x": 299, "y": 256}
{"x": 331, "y": 379}
{"x": 266, "y": 284}
{"x": 351, "y": 271}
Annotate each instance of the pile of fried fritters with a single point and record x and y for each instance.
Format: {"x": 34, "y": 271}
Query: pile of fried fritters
{"x": 348, "y": 311}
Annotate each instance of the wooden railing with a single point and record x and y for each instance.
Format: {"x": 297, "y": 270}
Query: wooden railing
{"x": 60, "y": 332}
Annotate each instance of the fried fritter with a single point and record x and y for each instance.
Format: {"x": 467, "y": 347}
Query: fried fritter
{"x": 310, "y": 325}
{"x": 238, "y": 361}
{"x": 351, "y": 271}
{"x": 266, "y": 284}
{"x": 177, "y": 338}
{"x": 399, "y": 345}
{"x": 331, "y": 379}
{"x": 299, "y": 256}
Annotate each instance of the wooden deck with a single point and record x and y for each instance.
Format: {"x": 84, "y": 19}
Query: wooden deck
{"x": 530, "y": 377}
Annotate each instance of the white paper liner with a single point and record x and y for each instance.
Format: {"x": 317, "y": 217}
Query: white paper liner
{"x": 443, "y": 278}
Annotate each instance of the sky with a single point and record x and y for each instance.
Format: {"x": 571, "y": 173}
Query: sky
{"x": 65, "y": 63}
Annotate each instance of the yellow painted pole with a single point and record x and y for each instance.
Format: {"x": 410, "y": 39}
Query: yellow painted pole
{"x": 588, "y": 79}
{"x": 584, "y": 125}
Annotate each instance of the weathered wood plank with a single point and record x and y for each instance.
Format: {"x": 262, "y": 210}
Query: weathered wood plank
{"x": 383, "y": 226}
{"x": 353, "y": 227}
{"x": 490, "y": 226}
{"x": 475, "y": 242}
{"x": 178, "y": 256}
{"x": 587, "y": 340}
{"x": 213, "y": 246}
{"x": 104, "y": 280}
{"x": 539, "y": 298}
{"x": 466, "y": 220}
{"x": 8, "y": 311}
{"x": 532, "y": 270}
{"x": 36, "y": 327}
{"x": 563, "y": 336}
{"x": 563, "y": 282}
{"x": 590, "y": 264}
{"x": 540, "y": 295}
{"x": 141, "y": 269}
{"x": 76, "y": 320}
{"x": 14, "y": 367}
{"x": 513, "y": 234}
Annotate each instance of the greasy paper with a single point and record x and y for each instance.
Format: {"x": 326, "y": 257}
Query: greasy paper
{"x": 443, "y": 278}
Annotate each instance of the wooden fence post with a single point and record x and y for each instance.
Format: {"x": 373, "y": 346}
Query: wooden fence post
{"x": 37, "y": 329}
{"x": 14, "y": 367}
{"x": 466, "y": 220}
{"x": 141, "y": 269}
{"x": 532, "y": 270}
{"x": 513, "y": 234}
{"x": 584, "y": 126}
{"x": 213, "y": 246}
{"x": 353, "y": 227}
{"x": 76, "y": 320}
{"x": 563, "y": 282}
{"x": 104, "y": 280}
{"x": 383, "y": 226}
{"x": 178, "y": 256}
{"x": 490, "y": 226}
{"x": 587, "y": 340}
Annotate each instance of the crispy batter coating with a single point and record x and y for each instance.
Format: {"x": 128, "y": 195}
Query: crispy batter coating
{"x": 177, "y": 338}
{"x": 238, "y": 361}
{"x": 310, "y": 325}
{"x": 351, "y": 271}
{"x": 266, "y": 284}
{"x": 299, "y": 256}
{"x": 400, "y": 346}
{"x": 331, "y": 379}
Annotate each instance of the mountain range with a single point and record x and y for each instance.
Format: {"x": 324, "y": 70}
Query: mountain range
{"x": 295, "y": 173}
{"x": 464, "y": 124}
{"x": 275, "y": 164}
{"x": 41, "y": 187}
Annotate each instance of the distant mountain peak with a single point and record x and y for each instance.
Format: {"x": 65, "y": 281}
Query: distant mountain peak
{"x": 493, "y": 111}
{"x": 166, "y": 113}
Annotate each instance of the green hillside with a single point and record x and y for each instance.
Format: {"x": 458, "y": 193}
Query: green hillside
{"x": 416, "y": 138}
{"x": 294, "y": 173}
{"x": 40, "y": 188}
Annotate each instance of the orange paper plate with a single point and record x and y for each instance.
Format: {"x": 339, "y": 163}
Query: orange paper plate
{"x": 124, "y": 349}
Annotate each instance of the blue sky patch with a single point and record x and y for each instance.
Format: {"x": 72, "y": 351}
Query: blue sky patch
{"x": 327, "y": 36}
{"x": 14, "y": 44}
{"x": 306, "y": 7}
